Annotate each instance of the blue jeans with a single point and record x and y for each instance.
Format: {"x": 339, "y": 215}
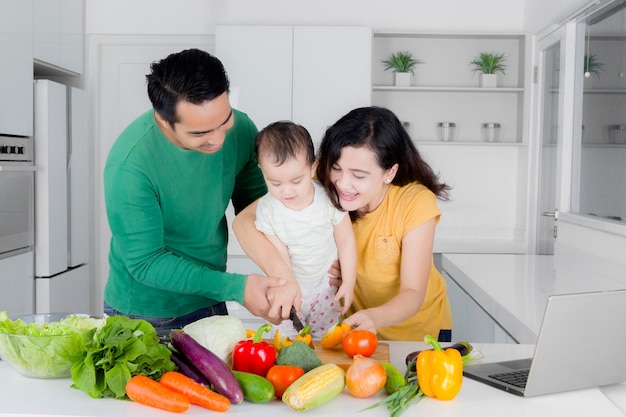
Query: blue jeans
{"x": 445, "y": 336}
{"x": 164, "y": 325}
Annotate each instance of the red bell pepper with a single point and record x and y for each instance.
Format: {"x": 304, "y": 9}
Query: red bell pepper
{"x": 254, "y": 356}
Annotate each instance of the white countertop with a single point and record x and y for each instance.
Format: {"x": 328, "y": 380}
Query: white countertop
{"x": 24, "y": 397}
{"x": 513, "y": 289}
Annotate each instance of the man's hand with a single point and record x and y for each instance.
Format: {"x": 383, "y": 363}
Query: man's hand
{"x": 283, "y": 297}
{"x": 256, "y": 298}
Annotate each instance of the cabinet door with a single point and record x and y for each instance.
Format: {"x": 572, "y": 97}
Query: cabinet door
{"x": 50, "y": 178}
{"x": 78, "y": 188}
{"x": 332, "y": 74}
{"x": 311, "y": 75}
{"x": 66, "y": 292}
{"x": 17, "y": 281}
{"x": 16, "y": 67}
{"x": 258, "y": 60}
{"x": 58, "y": 33}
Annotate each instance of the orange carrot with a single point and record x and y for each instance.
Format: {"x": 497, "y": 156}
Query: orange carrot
{"x": 198, "y": 394}
{"x": 146, "y": 391}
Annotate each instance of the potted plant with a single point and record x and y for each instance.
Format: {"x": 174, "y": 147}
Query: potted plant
{"x": 489, "y": 63}
{"x": 592, "y": 66}
{"x": 402, "y": 63}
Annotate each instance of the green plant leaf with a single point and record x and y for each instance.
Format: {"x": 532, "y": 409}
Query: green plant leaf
{"x": 489, "y": 63}
{"x": 402, "y": 61}
{"x": 592, "y": 65}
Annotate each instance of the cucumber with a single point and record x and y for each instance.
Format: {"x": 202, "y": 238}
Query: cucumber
{"x": 209, "y": 364}
{"x": 395, "y": 378}
{"x": 256, "y": 389}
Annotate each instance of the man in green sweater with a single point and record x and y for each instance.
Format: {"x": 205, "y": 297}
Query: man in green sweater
{"x": 168, "y": 180}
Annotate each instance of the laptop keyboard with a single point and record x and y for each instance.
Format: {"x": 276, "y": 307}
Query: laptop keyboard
{"x": 517, "y": 378}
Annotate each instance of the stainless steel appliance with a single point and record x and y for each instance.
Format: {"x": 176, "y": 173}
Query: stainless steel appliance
{"x": 61, "y": 227}
{"x": 17, "y": 172}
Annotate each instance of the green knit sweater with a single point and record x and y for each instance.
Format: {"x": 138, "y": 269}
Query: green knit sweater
{"x": 166, "y": 208}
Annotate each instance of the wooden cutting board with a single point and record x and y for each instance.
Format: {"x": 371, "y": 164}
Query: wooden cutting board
{"x": 340, "y": 358}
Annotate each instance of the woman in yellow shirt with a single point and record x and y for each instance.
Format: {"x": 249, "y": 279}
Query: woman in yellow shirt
{"x": 371, "y": 168}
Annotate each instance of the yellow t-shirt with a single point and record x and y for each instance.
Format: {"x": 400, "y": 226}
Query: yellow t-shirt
{"x": 379, "y": 249}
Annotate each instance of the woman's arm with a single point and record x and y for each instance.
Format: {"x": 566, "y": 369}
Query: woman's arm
{"x": 417, "y": 252}
{"x": 265, "y": 255}
{"x": 346, "y": 248}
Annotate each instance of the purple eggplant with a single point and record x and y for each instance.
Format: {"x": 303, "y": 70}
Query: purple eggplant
{"x": 189, "y": 370}
{"x": 209, "y": 364}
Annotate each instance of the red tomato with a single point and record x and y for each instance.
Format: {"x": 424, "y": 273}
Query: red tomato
{"x": 281, "y": 376}
{"x": 361, "y": 342}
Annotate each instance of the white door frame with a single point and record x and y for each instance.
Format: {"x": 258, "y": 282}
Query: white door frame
{"x": 567, "y": 135}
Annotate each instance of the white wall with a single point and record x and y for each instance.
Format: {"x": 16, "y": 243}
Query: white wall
{"x": 201, "y": 16}
{"x": 542, "y": 14}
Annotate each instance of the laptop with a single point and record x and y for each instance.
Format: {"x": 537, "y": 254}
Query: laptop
{"x": 580, "y": 345}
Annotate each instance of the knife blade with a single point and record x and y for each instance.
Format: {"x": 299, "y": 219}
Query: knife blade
{"x": 293, "y": 316}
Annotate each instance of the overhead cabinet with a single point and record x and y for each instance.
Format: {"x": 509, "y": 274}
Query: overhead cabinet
{"x": 58, "y": 34}
{"x": 309, "y": 74}
{"x": 16, "y": 67}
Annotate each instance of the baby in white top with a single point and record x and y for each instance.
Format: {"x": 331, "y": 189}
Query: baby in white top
{"x": 298, "y": 218}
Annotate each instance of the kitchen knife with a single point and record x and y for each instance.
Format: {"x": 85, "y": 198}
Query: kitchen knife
{"x": 293, "y": 316}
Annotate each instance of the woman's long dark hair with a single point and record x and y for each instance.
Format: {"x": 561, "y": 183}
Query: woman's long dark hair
{"x": 380, "y": 130}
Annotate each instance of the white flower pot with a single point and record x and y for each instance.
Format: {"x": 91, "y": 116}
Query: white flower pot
{"x": 403, "y": 79}
{"x": 489, "y": 80}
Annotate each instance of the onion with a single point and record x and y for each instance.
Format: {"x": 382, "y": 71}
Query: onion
{"x": 365, "y": 377}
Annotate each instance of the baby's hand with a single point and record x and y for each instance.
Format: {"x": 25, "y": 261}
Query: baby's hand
{"x": 347, "y": 296}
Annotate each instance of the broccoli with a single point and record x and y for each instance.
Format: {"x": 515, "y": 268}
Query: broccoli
{"x": 298, "y": 354}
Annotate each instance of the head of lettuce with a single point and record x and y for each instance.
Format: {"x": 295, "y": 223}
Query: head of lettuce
{"x": 44, "y": 348}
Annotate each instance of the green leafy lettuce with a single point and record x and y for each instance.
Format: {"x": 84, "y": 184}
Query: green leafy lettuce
{"x": 37, "y": 355}
{"x": 112, "y": 354}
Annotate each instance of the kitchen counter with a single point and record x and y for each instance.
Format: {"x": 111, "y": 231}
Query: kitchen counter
{"x": 513, "y": 289}
{"x": 21, "y": 396}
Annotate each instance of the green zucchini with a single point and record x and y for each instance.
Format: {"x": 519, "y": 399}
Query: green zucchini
{"x": 256, "y": 389}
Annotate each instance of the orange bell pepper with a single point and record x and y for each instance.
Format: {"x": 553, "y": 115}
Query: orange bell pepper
{"x": 333, "y": 337}
{"x": 281, "y": 341}
{"x": 439, "y": 372}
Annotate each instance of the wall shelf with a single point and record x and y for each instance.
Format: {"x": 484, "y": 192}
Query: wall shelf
{"x": 443, "y": 89}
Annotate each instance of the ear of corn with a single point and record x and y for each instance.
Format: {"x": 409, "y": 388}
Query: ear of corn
{"x": 316, "y": 387}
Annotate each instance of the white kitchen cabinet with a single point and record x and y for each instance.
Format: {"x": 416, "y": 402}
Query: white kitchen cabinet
{"x": 59, "y": 34}
{"x": 65, "y": 293}
{"x": 61, "y": 247}
{"x": 16, "y": 67}
{"x": 471, "y": 322}
{"x": 309, "y": 74}
{"x": 17, "y": 284}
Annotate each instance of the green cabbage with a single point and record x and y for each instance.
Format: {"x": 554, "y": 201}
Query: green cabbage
{"x": 219, "y": 334}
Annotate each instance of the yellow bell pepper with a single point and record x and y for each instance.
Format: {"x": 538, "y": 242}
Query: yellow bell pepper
{"x": 281, "y": 341}
{"x": 333, "y": 337}
{"x": 439, "y": 372}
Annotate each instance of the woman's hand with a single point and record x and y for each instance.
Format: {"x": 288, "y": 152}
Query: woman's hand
{"x": 362, "y": 320}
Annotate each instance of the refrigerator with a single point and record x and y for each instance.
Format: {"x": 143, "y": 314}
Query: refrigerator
{"x": 61, "y": 198}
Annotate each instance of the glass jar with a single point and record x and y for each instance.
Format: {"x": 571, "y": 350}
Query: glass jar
{"x": 446, "y": 131}
{"x": 491, "y": 132}
{"x": 617, "y": 134}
